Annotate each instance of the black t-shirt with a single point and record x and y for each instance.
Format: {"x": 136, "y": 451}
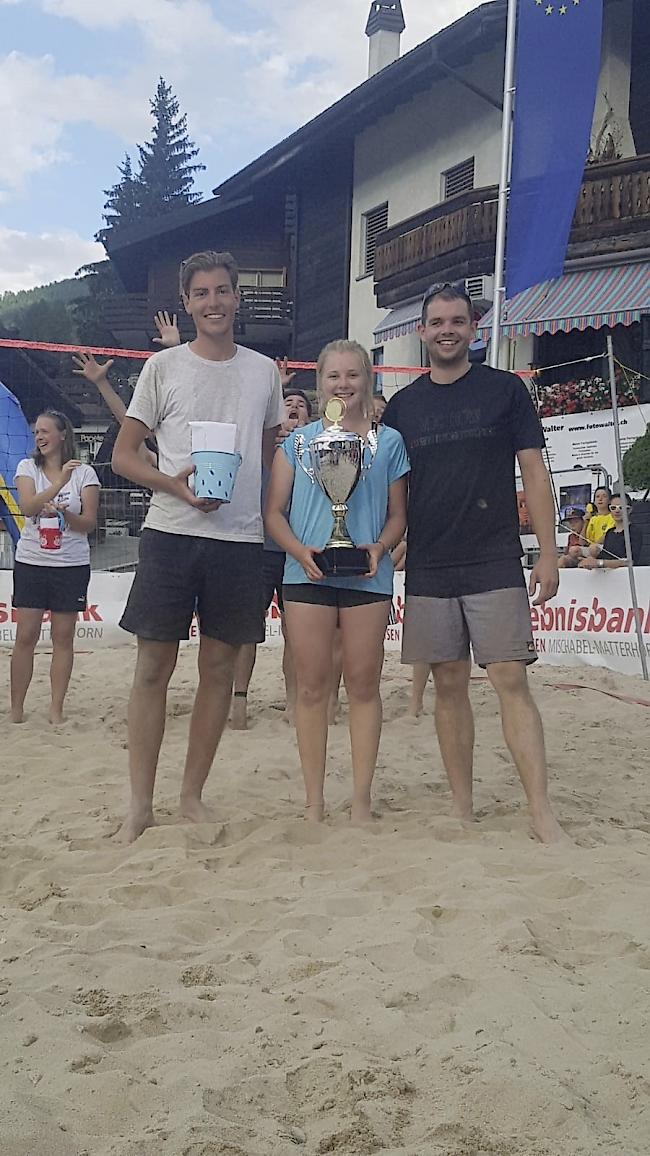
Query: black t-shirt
{"x": 462, "y": 439}
{"x": 614, "y": 544}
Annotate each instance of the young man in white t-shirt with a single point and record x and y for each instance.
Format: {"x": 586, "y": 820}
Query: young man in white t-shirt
{"x": 195, "y": 552}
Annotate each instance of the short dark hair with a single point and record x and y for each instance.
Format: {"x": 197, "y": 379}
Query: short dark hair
{"x": 203, "y": 263}
{"x": 448, "y": 292}
{"x": 289, "y": 392}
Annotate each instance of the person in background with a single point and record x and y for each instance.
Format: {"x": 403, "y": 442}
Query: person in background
{"x": 572, "y": 519}
{"x": 87, "y": 366}
{"x": 297, "y": 413}
{"x": 611, "y": 554}
{"x": 464, "y": 425}
{"x": 379, "y": 404}
{"x": 598, "y": 519}
{"x": 59, "y": 495}
{"x": 316, "y": 604}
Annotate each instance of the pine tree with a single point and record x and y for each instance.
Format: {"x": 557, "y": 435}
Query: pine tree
{"x": 123, "y": 200}
{"x": 166, "y": 173}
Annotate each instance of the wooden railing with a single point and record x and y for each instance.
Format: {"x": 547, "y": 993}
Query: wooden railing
{"x": 134, "y": 312}
{"x": 614, "y": 198}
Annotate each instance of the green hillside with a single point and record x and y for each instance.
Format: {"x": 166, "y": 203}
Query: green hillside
{"x": 13, "y": 305}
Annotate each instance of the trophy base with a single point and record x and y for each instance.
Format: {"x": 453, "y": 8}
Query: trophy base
{"x": 343, "y": 561}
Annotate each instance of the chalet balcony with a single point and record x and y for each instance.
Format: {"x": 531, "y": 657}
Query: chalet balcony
{"x": 265, "y": 317}
{"x": 456, "y": 239}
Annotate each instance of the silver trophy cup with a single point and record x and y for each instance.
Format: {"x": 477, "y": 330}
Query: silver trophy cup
{"x": 336, "y": 458}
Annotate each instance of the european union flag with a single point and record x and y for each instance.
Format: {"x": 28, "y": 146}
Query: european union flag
{"x": 557, "y": 69}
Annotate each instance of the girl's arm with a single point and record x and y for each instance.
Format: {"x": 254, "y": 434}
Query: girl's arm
{"x": 31, "y": 502}
{"x": 275, "y": 521}
{"x": 394, "y": 526}
{"x": 86, "y": 521}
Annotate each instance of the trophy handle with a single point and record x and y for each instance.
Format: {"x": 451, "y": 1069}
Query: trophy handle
{"x": 304, "y": 451}
{"x": 369, "y": 450}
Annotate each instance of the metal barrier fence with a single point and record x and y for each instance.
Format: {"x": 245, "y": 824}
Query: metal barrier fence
{"x": 114, "y": 543}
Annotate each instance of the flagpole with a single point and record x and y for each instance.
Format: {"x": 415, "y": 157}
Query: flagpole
{"x": 626, "y": 520}
{"x": 504, "y": 182}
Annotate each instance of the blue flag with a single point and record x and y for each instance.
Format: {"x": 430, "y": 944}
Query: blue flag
{"x": 557, "y": 69}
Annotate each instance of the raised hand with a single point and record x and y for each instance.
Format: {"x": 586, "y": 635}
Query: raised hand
{"x": 286, "y": 377}
{"x": 168, "y": 331}
{"x": 89, "y": 368}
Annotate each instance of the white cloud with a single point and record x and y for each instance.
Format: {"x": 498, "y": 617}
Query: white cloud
{"x": 29, "y": 259}
{"x": 37, "y": 103}
{"x": 301, "y": 56}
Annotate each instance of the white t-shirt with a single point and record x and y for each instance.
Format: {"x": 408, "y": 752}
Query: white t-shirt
{"x": 176, "y": 387}
{"x": 75, "y": 549}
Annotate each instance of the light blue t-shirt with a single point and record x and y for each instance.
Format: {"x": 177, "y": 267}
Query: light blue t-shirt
{"x": 310, "y": 513}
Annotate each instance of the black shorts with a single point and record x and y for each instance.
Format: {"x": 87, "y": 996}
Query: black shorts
{"x": 272, "y": 575}
{"x": 60, "y": 589}
{"x": 178, "y": 573}
{"x": 338, "y": 596}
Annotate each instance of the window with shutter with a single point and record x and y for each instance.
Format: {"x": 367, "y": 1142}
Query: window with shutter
{"x": 374, "y": 223}
{"x": 458, "y": 179}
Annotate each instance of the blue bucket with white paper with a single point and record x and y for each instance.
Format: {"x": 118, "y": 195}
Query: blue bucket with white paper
{"x": 215, "y": 474}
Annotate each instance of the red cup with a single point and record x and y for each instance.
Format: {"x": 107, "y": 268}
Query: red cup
{"x": 49, "y": 534}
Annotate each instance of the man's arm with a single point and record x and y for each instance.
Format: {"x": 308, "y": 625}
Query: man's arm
{"x": 269, "y": 445}
{"x": 541, "y": 507}
{"x": 127, "y": 461}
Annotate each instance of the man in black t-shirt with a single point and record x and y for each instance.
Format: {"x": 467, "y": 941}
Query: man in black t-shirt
{"x": 463, "y": 426}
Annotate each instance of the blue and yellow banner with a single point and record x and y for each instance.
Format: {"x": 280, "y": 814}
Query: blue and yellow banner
{"x": 16, "y": 442}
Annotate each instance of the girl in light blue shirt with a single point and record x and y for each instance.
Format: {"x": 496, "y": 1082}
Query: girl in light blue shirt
{"x": 299, "y": 517}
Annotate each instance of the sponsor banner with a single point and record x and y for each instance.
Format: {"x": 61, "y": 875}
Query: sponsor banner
{"x": 97, "y": 626}
{"x": 589, "y": 623}
{"x": 579, "y": 440}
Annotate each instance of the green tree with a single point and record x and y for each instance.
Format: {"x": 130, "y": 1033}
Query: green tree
{"x": 123, "y": 200}
{"x": 167, "y": 170}
{"x": 636, "y": 463}
{"x": 47, "y": 321}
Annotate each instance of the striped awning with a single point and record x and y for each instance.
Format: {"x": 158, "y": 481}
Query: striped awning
{"x": 401, "y": 320}
{"x": 617, "y": 295}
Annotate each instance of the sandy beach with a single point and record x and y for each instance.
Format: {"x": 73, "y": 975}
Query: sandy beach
{"x": 258, "y": 986}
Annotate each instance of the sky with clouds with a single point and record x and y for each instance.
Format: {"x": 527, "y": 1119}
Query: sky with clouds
{"x": 76, "y": 77}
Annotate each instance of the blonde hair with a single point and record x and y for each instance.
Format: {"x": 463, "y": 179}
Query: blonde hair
{"x": 345, "y": 346}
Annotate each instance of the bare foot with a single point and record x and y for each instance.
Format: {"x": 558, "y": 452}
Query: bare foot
{"x": 546, "y": 828}
{"x": 463, "y": 811}
{"x": 314, "y": 812}
{"x": 193, "y": 809}
{"x": 135, "y": 823}
{"x": 238, "y": 713}
{"x": 56, "y": 717}
{"x": 361, "y": 814}
{"x": 17, "y": 716}
{"x": 414, "y": 709}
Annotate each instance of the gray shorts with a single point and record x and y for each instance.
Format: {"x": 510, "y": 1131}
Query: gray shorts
{"x": 496, "y": 624}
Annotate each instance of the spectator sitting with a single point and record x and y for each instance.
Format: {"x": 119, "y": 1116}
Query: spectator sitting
{"x": 572, "y": 519}
{"x": 610, "y": 554}
{"x": 598, "y": 519}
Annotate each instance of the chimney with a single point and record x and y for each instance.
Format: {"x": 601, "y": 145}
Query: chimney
{"x": 384, "y": 28}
